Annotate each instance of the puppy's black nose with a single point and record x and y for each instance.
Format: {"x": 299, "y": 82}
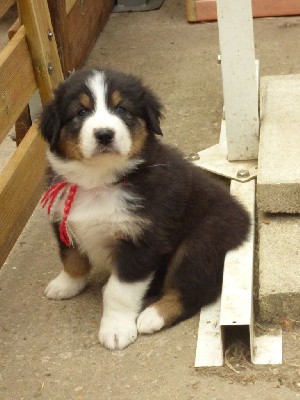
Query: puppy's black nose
{"x": 104, "y": 136}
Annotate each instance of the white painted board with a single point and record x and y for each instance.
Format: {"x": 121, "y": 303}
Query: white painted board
{"x": 209, "y": 352}
{"x": 267, "y": 349}
{"x": 240, "y": 84}
{"x": 214, "y": 159}
{"x": 236, "y": 299}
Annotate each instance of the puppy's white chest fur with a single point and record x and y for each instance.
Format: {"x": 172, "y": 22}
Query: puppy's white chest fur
{"x": 97, "y": 216}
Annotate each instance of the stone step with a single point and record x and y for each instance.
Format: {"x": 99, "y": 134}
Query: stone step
{"x": 278, "y": 280}
{"x": 278, "y": 179}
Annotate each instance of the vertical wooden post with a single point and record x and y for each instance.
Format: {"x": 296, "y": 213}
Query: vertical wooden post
{"x": 24, "y": 122}
{"x": 59, "y": 15}
{"x": 41, "y": 41}
{"x": 239, "y": 78}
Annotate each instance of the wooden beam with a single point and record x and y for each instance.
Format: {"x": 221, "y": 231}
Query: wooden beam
{"x": 24, "y": 122}
{"x": 206, "y": 10}
{"x": 21, "y": 185}
{"x": 15, "y": 70}
{"x": 190, "y": 10}
{"x": 70, "y": 19}
{"x": 89, "y": 13}
{"x": 59, "y": 17}
{"x": 271, "y": 8}
{"x": 69, "y": 5}
{"x": 14, "y": 28}
{"x": 5, "y": 6}
{"x": 36, "y": 19}
{"x": 21, "y": 181}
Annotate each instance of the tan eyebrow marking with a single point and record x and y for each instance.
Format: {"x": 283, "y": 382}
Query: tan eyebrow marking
{"x": 85, "y": 101}
{"x": 116, "y": 98}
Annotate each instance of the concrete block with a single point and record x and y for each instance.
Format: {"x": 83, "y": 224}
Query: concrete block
{"x": 278, "y": 179}
{"x": 278, "y": 276}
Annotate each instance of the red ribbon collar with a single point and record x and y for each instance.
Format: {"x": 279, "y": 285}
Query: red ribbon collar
{"x": 54, "y": 193}
{"x": 49, "y": 198}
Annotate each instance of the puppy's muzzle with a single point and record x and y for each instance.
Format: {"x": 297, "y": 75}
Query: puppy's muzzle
{"x": 104, "y": 136}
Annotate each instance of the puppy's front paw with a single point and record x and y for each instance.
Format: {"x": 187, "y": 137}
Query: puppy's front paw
{"x": 117, "y": 331}
{"x": 149, "y": 321}
{"x": 64, "y": 286}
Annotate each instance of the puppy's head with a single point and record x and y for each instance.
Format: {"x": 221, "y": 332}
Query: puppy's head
{"x": 97, "y": 113}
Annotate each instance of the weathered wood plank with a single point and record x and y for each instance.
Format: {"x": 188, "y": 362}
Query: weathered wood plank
{"x": 5, "y": 6}
{"x": 59, "y": 17}
{"x": 69, "y": 5}
{"x": 190, "y": 10}
{"x": 36, "y": 18}
{"x": 24, "y": 122}
{"x": 91, "y": 14}
{"x": 17, "y": 81}
{"x": 21, "y": 185}
{"x": 14, "y": 28}
{"x": 271, "y": 8}
{"x": 206, "y": 10}
{"x": 21, "y": 181}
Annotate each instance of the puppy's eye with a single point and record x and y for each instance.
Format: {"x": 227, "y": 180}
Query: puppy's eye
{"x": 82, "y": 112}
{"x": 120, "y": 110}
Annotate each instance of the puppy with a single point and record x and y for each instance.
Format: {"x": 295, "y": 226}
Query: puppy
{"x": 124, "y": 201}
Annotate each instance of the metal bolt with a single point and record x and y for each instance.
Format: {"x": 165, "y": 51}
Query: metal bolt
{"x": 243, "y": 173}
{"x": 50, "y": 68}
{"x": 50, "y": 34}
{"x": 193, "y": 157}
{"x": 13, "y": 136}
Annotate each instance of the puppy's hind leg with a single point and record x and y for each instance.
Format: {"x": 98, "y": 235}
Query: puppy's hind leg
{"x": 162, "y": 313}
{"x": 73, "y": 278}
{"x": 194, "y": 279}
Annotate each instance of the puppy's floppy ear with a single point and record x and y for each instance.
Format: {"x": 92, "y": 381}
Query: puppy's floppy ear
{"x": 153, "y": 111}
{"x": 50, "y": 124}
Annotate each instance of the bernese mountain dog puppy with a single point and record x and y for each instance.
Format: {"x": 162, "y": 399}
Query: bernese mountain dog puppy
{"x": 123, "y": 201}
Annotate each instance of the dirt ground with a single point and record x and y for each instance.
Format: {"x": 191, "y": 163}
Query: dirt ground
{"x": 49, "y": 350}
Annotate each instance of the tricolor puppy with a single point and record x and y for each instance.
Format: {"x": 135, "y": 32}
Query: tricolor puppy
{"x": 124, "y": 201}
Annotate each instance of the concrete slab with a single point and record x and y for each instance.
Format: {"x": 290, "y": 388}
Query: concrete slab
{"x": 278, "y": 179}
{"x": 279, "y": 261}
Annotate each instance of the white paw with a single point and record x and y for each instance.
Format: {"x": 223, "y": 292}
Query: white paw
{"x": 65, "y": 287}
{"x": 149, "y": 321}
{"x": 117, "y": 331}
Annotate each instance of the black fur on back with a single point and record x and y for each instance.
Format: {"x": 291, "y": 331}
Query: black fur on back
{"x": 187, "y": 208}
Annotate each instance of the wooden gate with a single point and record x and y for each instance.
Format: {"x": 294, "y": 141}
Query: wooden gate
{"x": 29, "y": 62}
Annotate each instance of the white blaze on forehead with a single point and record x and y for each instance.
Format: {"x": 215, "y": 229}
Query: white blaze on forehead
{"x": 102, "y": 118}
{"x": 96, "y": 83}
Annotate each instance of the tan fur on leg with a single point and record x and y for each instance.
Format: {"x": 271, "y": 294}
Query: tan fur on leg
{"x": 75, "y": 264}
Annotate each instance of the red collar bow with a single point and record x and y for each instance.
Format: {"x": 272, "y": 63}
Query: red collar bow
{"x": 49, "y": 198}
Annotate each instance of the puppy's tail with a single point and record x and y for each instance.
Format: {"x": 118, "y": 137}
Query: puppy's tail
{"x": 237, "y": 224}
